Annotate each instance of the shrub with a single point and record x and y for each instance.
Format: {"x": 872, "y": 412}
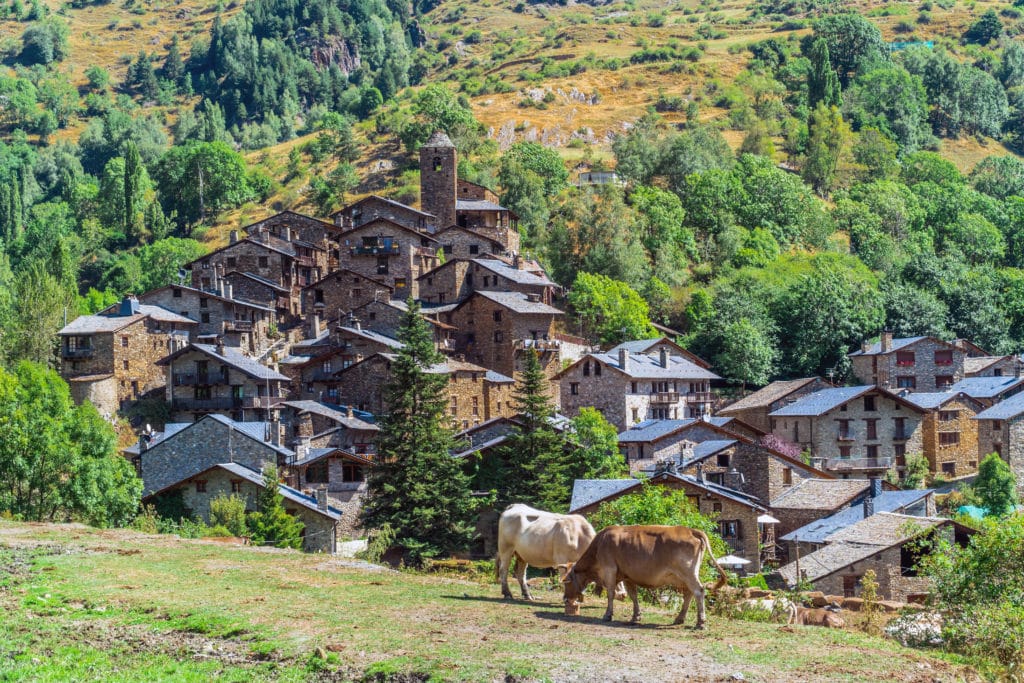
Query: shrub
{"x": 228, "y": 512}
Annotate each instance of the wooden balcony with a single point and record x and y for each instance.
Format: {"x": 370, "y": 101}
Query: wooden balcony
{"x": 700, "y": 397}
{"x": 857, "y": 464}
{"x": 191, "y": 379}
{"x": 80, "y": 352}
{"x": 305, "y": 261}
{"x": 844, "y": 436}
{"x": 238, "y": 326}
{"x": 665, "y": 397}
{"x": 226, "y": 403}
{"x": 381, "y": 249}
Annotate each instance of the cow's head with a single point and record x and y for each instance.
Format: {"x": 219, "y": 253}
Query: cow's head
{"x": 572, "y": 588}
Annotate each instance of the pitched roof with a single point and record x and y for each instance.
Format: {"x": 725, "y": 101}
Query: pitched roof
{"x": 652, "y": 430}
{"x": 645, "y": 345}
{"x": 438, "y": 139}
{"x": 230, "y": 356}
{"x": 287, "y": 492}
{"x": 316, "y": 454}
{"x": 378, "y": 198}
{"x": 382, "y": 219}
{"x": 821, "y": 530}
{"x": 256, "y": 431}
{"x": 973, "y": 364}
{"x": 346, "y": 271}
{"x": 820, "y": 494}
{"x": 987, "y": 387}
{"x": 820, "y": 402}
{"x": 257, "y": 278}
{"x": 477, "y": 205}
{"x": 475, "y": 233}
{"x": 642, "y": 366}
{"x": 111, "y": 320}
{"x": 517, "y": 302}
{"x": 332, "y": 414}
{"x": 860, "y": 541}
{"x": 370, "y": 335}
{"x": 897, "y": 344}
{"x": 211, "y": 295}
{"x": 170, "y": 429}
{"x": 1004, "y": 410}
{"x": 767, "y": 395}
{"x": 930, "y": 400}
{"x": 593, "y": 491}
{"x": 517, "y": 275}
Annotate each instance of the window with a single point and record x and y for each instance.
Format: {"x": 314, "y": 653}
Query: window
{"x": 200, "y": 486}
{"x": 318, "y": 296}
{"x": 231, "y": 261}
{"x": 574, "y": 388}
{"x": 872, "y": 428}
{"x": 949, "y": 468}
{"x": 351, "y": 472}
{"x": 438, "y": 167}
{"x": 948, "y": 415}
{"x": 944, "y": 357}
{"x": 176, "y": 293}
{"x": 264, "y": 262}
{"x": 632, "y": 387}
{"x": 636, "y": 414}
{"x": 723, "y": 459}
{"x": 497, "y": 316}
{"x": 124, "y": 342}
{"x": 318, "y": 473}
{"x": 474, "y": 249}
{"x": 906, "y": 382}
{"x": 498, "y": 336}
{"x": 716, "y": 507}
{"x": 204, "y": 317}
{"x": 448, "y": 249}
{"x": 382, "y": 265}
{"x": 399, "y": 283}
{"x": 949, "y": 438}
{"x": 844, "y": 430}
{"x": 872, "y": 452}
{"x": 729, "y": 528}
{"x": 900, "y": 451}
{"x": 904, "y": 359}
{"x": 204, "y": 303}
{"x": 899, "y": 428}
{"x": 869, "y": 404}
{"x": 236, "y": 486}
{"x": 455, "y": 406}
{"x": 476, "y": 406}
{"x": 844, "y": 451}
{"x": 124, "y": 364}
{"x": 597, "y": 369}
{"x": 787, "y": 476}
{"x": 943, "y": 381}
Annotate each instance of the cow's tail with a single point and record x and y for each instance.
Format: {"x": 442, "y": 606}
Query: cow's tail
{"x": 723, "y": 578}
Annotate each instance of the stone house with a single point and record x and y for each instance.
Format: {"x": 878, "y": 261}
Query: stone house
{"x": 463, "y": 243}
{"x": 110, "y": 358}
{"x": 342, "y": 474}
{"x": 989, "y": 391}
{"x": 1001, "y": 430}
{"x": 710, "y": 449}
{"x": 388, "y": 252}
{"x": 812, "y": 499}
{"x": 204, "y": 379}
{"x": 911, "y": 363}
{"x": 341, "y": 292}
{"x": 884, "y": 542}
{"x": 735, "y": 513}
{"x": 348, "y": 346}
{"x": 291, "y": 226}
{"x": 492, "y": 326}
{"x": 754, "y": 408}
{"x": 949, "y": 432}
{"x": 455, "y": 280}
{"x": 475, "y": 394}
{"x": 320, "y": 520}
{"x": 630, "y": 387}
{"x": 993, "y": 366}
{"x": 853, "y": 431}
{"x": 252, "y": 288}
{"x": 310, "y": 424}
{"x": 385, "y": 317}
{"x": 477, "y": 209}
{"x": 239, "y": 324}
{"x": 290, "y": 262}
{"x": 373, "y": 207}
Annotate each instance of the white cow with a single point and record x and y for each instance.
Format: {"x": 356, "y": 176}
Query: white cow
{"x": 538, "y": 538}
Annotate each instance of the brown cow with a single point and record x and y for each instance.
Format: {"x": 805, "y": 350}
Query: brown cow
{"x": 644, "y": 556}
{"x": 819, "y": 616}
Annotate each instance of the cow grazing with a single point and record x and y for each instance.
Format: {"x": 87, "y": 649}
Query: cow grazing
{"x": 646, "y": 557}
{"x": 819, "y": 616}
{"x": 538, "y": 538}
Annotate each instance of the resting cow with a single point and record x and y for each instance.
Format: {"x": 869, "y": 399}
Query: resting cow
{"x": 538, "y": 538}
{"x": 644, "y": 556}
{"x": 806, "y": 616}
{"x": 775, "y": 607}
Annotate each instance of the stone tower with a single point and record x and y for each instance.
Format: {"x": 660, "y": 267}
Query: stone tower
{"x": 438, "y": 179}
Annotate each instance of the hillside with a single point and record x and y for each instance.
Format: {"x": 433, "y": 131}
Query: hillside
{"x": 80, "y": 603}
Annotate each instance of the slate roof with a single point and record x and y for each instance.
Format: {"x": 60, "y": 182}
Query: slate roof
{"x": 523, "y": 277}
{"x": 888, "y": 501}
{"x": 820, "y": 494}
{"x": 254, "y": 430}
{"x": 438, "y": 139}
{"x": 820, "y": 402}
{"x": 586, "y": 492}
{"x": 897, "y": 344}
{"x": 652, "y": 430}
{"x": 170, "y": 429}
{"x": 477, "y": 205}
{"x": 392, "y": 202}
{"x": 518, "y": 302}
{"x": 973, "y": 364}
{"x": 112, "y": 320}
{"x": 858, "y": 542}
{"x": 332, "y": 414}
{"x": 986, "y": 387}
{"x": 233, "y": 357}
{"x": 769, "y": 394}
{"x": 645, "y": 345}
{"x": 287, "y": 492}
{"x": 642, "y": 366}
{"x": 1004, "y": 410}
{"x": 262, "y": 280}
{"x": 382, "y": 339}
{"x": 705, "y": 449}
{"x": 315, "y": 454}
{"x": 213, "y": 295}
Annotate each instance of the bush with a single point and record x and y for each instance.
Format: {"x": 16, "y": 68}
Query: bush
{"x": 228, "y": 512}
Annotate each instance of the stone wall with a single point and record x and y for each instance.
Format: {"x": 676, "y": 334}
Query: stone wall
{"x": 446, "y": 284}
{"x": 892, "y": 585}
{"x": 952, "y": 460}
{"x": 232, "y": 392}
{"x": 101, "y": 392}
{"x": 463, "y": 243}
{"x": 247, "y": 256}
{"x": 341, "y": 292}
{"x": 287, "y": 225}
{"x": 1013, "y": 451}
{"x": 416, "y": 254}
{"x": 884, "y": 370}
{"x": 439, "y": 183}
{"x": 216, "y": 316}
{"x": 257, "y": 292}
{"x": 372, "y": 208}
{"x": 758, "y": 416}
{"x": 197, "y": 448}
{"x": 490, "y": 342}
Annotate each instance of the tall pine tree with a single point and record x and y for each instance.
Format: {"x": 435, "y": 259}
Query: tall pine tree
{"x": 417, "y": 488}
{"x": 132, "y": 188}
{"x": 822, "y": 80}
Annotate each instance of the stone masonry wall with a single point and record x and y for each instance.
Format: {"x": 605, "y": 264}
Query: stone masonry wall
{"x": 462, "y": 243}
{"x": 962, "y": 457}
{"x": 341, "y": 292}
{"x": 884, "y": 369}
{"x": 247, "y": 256}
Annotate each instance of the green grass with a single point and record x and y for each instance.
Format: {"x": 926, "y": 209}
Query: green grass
{"x": 92, "y": 605}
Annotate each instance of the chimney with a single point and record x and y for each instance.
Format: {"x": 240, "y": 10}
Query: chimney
{"x": 287, "y": 234}
{"x": 624, "y": 359}
{"x": 143, "y": 442}
{"x": 228, "y": 290}
{"x": 314, "y": 325}
{"x": 351, "y": 412}
{"x": 321, "y": 499}
{"x": 663, "y": 357}
{"x": 876, "y": 487}
{"x": 865, "y": 347}
{"x": 886, "y": 340}
{"x": 685, "y": 451}
{"x": 516, "y": 262}
{"x": 129, "y": 306}
{"x": 220, "y": 346}
{"x": 234, "y": 236}
{"x": 869, "y": 506}
{"x": 274, "y": 427}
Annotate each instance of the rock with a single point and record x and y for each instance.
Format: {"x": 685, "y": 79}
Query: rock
{"x": 834, "y": 599}
{"x": 756, "y": 593}
{"x": 817, "y": 598}
{"x": 853, "y": 604}
{"x": 891, "y": 605}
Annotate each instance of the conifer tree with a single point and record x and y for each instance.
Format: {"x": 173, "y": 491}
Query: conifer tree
{"x": 132, "y": 186}
{"x": 417, "y": 487}
{"x": 174, "y": 67}
{"x": 271, "y": 525}
{"x": 822, "y": 80}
